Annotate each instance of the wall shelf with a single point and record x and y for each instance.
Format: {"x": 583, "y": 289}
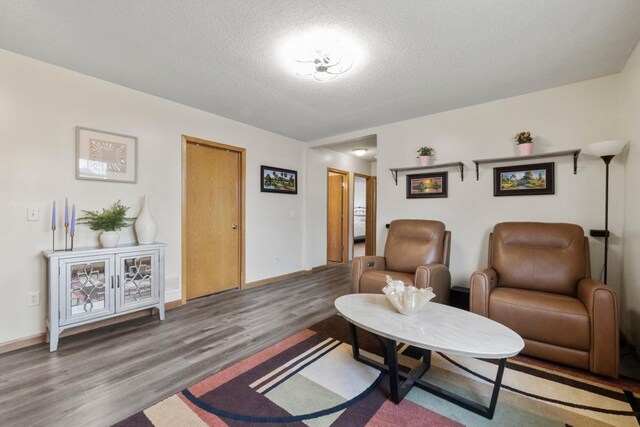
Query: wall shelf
{"x": 575, "y": 153}
{"x": 459, "y": 165}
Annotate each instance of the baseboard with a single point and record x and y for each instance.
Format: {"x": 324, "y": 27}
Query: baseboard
{"x": 284, "y": 277}
{"x": 275, "y": 279}
{"x": 40, "y": 338}
{"x": 173, "y": 304}
{"x": 21, "y": 343}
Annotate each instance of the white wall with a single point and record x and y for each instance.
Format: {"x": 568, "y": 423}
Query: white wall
{"x": 41, "y": 104}
{"x": 630, "y": 121}
{"x": 561, "y": 118}
{"x": 360, "y": 192}
{"x": 317, "y": 162}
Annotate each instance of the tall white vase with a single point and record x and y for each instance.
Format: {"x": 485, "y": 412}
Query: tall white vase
{"x": 145, "y": 226}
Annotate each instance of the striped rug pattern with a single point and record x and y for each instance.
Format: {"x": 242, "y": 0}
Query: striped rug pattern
{"x": 312, "y": 379}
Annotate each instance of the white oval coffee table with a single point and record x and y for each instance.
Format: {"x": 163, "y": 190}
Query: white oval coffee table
{"x": 436, "y": 327}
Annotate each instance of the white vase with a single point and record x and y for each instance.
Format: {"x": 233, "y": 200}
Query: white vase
{"x": 109, "y": 239}
{"x": 426, "y": 160}
{"x": 525, "y": 149}
{"x": 146, "y": 227}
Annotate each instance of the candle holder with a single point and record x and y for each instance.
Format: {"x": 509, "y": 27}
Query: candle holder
{"x": 66, "y": 235}
{"x": 71, "y": 234}
{"x": 53, "y": 237}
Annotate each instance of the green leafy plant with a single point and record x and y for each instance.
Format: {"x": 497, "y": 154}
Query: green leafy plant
{"x": 112, "y": 219}
{"x": 426, "y": 151}
{"x": 523, "y": 138}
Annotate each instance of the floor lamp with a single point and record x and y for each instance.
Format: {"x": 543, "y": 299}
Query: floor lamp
{"x": 607, "y": 151}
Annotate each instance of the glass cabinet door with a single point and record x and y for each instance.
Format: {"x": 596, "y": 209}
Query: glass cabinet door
{"x": 85, "y": 289}
{"x": 137, "y": 281}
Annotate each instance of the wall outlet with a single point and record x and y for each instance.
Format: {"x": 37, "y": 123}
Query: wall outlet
{"x": 33, "y": 298}
{"x": 33, "y": 214}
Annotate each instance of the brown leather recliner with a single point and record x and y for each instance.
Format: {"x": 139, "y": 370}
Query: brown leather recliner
{"x": 416, "y": 252}
{"x": 539, "y": 284}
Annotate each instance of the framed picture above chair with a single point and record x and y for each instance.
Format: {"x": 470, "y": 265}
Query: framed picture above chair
{"x": 524, "y": 180}
{"x": 427, "y": 185}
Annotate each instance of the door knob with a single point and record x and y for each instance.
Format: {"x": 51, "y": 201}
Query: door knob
{"x": 234, "y": 226}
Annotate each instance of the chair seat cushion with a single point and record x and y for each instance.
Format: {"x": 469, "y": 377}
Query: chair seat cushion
{"x": 540, "y": 316}
{"x": 372, "y": 281}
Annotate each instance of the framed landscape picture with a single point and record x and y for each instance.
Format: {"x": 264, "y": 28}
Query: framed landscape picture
{"x": 106, "y": 156}
{"x": 427, "y": 185}
{"x": 524, "y": 180}
{"x": 278, "y": 180}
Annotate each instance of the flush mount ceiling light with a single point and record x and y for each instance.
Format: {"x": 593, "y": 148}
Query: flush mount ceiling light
{"x": 359, "y": 151}
{"x": 321, "y": 54}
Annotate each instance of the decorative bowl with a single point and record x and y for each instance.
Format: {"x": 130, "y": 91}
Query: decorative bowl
{"x": 407, "y": 300}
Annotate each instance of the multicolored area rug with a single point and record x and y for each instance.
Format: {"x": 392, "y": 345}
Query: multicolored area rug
{"x": 312, "y": 379}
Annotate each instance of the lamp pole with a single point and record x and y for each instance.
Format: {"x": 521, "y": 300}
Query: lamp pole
{"x": 607, "y": 160}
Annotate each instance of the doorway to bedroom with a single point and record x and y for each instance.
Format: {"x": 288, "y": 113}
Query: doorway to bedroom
{"x": 364, "y": 211}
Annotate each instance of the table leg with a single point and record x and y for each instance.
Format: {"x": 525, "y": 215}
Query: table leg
{"x": 401, "y": 383}
{"x": 485, "y": 411}
{"x": 392, "y": 364}
{"x": 496, "y": 388}
{"x": 354, "y": 341}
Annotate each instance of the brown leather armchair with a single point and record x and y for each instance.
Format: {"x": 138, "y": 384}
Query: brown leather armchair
{"x": 416, "y": 252}
{"x": 538, "y": 284}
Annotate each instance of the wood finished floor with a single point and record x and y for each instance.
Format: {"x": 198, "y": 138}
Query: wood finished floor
{"x": 100, "y": 377}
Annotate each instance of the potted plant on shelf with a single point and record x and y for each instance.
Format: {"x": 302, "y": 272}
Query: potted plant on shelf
{"x": 425, "y": 155}
{"x": 524, "y": 142}
{"x": 110, "y": 221}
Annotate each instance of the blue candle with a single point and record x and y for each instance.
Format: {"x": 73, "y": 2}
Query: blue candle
{"x": 66, "y": 211}
{"x": 53, "y": 215}
{"x": 73, "y": 219}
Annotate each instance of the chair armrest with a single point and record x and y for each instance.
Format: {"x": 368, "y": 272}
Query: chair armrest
{"x": 602, "y": 305}
{"x": 482, "y": 283}
{"x": 360, "y": 265}
{"x": 436, "y": 276}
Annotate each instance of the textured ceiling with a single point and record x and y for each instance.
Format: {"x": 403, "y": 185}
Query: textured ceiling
{"x": 370, "y": 142}
{"x": 421, "y": 56}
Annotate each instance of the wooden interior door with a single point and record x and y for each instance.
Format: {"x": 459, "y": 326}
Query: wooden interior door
{"x": 336, "y": 216}
{"x": 370, "y": 239}
{"x": 213, "y": 219}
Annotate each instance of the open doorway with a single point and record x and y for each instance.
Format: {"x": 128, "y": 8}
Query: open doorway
{"x": 359, "y": 215}
{"x": 337, "y": 215}
{"x": 364, "y": 215}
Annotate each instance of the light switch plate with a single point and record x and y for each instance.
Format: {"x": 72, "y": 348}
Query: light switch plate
{"x": 33, "y": 214}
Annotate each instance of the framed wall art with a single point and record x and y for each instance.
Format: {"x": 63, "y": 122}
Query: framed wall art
{"x": 278, "y": 180}
{"x": 524, "y": 180}
{"x": 106, "y": 156}
{"x": 427, "y": 185}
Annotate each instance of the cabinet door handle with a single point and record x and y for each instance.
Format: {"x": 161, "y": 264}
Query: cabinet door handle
{"x": 118, "y": 282}
{"x": 112, "y": 281}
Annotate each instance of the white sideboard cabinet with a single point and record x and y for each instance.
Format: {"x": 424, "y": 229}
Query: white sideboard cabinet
{"x": 87, "y": 285}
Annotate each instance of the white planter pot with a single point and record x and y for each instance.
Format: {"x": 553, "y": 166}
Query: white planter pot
{"x": 146, "y": 227}
{"x": 109, "y": 239}
{"x": 525, "y": 149}
{"x": 426, "y": 160}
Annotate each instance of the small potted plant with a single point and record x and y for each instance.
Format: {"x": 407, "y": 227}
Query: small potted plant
{"x": 425, "y": 155}
{"x": 524, "y": 142}
{"x": 110, "y": 221}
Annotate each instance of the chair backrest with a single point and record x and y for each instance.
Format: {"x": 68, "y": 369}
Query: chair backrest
{"x": 539, "y": 256}
{"x": 415, "y": 242}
